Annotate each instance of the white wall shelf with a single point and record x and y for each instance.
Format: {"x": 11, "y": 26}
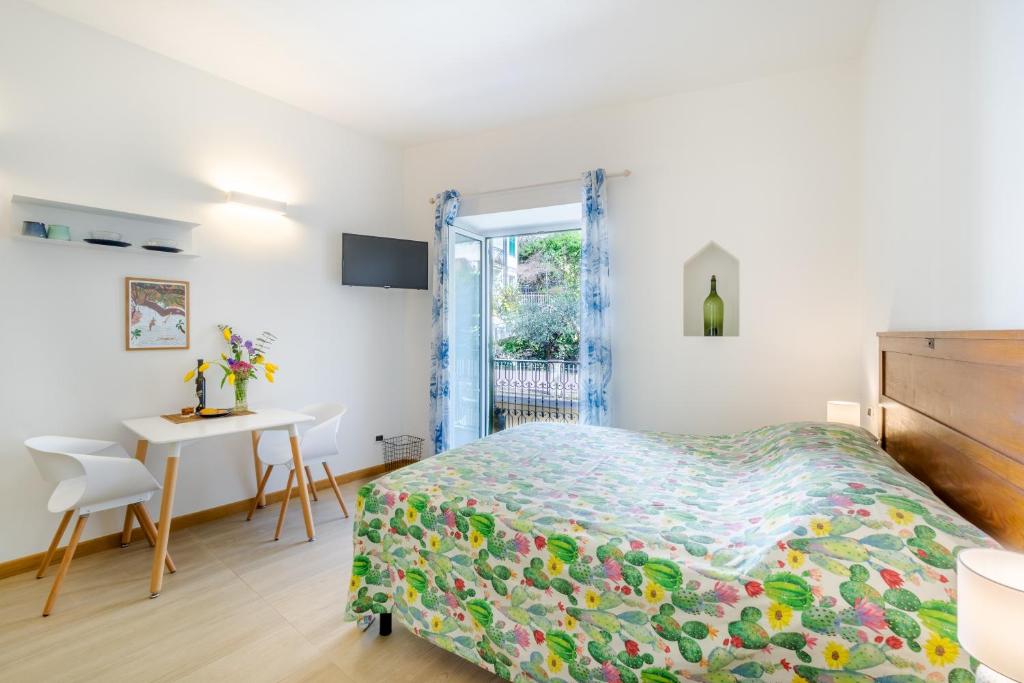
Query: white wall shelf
{"x": 78, "y": 244}
{"x": 697, "y": 271}
{"x": 135, "y": 228}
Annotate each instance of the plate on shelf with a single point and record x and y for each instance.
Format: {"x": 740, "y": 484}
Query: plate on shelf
{"x": 157, "y": 247}
{"x": 214, "y": 412}
{"x": 106, "y": 243}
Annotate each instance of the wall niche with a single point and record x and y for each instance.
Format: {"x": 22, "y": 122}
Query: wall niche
{"x": 712, "y": 259}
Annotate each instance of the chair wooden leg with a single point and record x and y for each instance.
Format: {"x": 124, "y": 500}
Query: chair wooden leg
{"x": 48, "y": 557}
{"x": 334, "y": 485}
{"x": 284, "y": 504}
{"x": 141, "y": 449}
{"x": 149, "y": 529}
{"x": 69, "y": 553}
{"x": 312, "y": 486}
{"x": 259, "y": 492}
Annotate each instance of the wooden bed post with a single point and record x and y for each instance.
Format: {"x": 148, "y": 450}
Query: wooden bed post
{"x": 385, "y": 624}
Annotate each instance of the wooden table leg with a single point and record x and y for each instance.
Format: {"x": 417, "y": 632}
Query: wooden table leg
{"x": 163, "y": 530}
{"x": 261, "y": 498}
{"x": 141, "y": 449}
{"x": 300, "y": 475}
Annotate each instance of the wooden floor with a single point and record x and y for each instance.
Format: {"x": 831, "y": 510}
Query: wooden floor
{"x": 240, "y": 608}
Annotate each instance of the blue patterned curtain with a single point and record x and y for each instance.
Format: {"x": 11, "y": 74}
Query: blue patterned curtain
{"x": 595, "y": 340}
{"x": 446, "y": 208}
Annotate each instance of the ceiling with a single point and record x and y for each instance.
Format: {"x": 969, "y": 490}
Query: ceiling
{"x": 414, "y": 71}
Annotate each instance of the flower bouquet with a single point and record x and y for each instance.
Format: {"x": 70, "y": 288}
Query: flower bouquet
{"x": 242, "y": 364}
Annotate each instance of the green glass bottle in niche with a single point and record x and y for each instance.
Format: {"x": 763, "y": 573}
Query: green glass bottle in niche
{"x": 714, "y": 312}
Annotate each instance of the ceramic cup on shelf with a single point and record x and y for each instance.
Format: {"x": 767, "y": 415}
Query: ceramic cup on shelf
{"x": 34, "y": 229}
{"x": 58, "y": 232}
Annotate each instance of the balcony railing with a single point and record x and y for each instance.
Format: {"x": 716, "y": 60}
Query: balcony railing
{"x": 534, "y": 391}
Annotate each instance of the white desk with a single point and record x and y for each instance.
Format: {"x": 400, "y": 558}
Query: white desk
{"x": 158, "y": 430}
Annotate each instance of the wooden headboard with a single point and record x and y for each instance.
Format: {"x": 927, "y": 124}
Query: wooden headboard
{"x": 953, "y": 415}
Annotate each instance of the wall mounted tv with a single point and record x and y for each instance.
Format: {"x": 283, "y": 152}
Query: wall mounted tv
{"x": 368, "y": 261}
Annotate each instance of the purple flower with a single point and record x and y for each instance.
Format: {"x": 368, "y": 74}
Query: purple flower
{"x": 522, "y": 636}
{"x": 612, "y": 570}
{"x": 726, "y": 593}
{"x": 611, "y": 673}
{"x": 522, "y": 544}
{"x": 235, "y": 339}
{"x": 869, "y": 614}
{"x": 248, "y": 345}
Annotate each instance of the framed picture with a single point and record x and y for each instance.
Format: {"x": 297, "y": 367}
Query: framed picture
{"x": 156, "y": 314}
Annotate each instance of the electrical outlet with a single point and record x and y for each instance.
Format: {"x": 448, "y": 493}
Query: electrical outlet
{"x": 380, "y": 437}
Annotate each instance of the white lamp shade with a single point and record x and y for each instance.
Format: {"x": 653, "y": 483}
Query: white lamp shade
{"x": 846, "y": 412}
{"x": 990, "y": 608}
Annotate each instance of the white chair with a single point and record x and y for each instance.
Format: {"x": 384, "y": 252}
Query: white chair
{"x": 318, "y": 440}
{"x": 90, "y": 476}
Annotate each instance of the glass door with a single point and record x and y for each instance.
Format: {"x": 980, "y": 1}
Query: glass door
{"x": 467, "y": 329}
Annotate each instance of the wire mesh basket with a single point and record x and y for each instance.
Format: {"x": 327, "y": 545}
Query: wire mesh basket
{"x": 401, "y": 450}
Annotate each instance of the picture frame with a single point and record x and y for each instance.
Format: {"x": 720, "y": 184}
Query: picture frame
{"x": 157, "y": 313}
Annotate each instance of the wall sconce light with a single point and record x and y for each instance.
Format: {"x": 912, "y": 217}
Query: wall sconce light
{"x": 259, "y": 202}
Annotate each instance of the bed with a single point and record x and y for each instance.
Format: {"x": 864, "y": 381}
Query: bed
{"x": 797, "y": 552}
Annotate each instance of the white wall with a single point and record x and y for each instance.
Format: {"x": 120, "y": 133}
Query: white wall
{"x": 943, "y": 169}
{"x": 768, "y": 169}
{"x": 87, "y": 118}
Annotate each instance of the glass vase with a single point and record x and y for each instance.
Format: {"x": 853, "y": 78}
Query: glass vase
{"x": 241, "y": 395}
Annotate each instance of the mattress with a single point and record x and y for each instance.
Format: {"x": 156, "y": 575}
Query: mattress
{"x": 796, "y": 552}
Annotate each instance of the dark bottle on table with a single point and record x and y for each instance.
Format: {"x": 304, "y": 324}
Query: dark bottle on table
{"x": 200, "y": 386}
{"x": 714, "y": 311}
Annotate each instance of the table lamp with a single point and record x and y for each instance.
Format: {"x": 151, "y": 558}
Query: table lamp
{"x": 845, "y": 412}
{"x": 990, "y": 612}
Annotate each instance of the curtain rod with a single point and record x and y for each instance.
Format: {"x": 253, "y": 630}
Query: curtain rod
{"x": 621, "y": 174}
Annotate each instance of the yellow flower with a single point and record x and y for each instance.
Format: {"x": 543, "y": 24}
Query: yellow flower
{"x": 257, "y": 359}
{"x": 227, "y": 334}
{"x": 554, "y": 663}
{"x": 436, "y": 622}
{"x": 797, "y": 678}
{"x": 779, "y": 615}
{"x": 941, "y": 651}
{"x": 189, "y": 375}
{"x": 410, "y": 595}
{"x": 476, "y": 539}
{"x": 434, "y": 542}
{"x": 654, "y": 593}
{"x": 271, "y": 367}
{"x": 836, "y": 655}
{"x": 901, "y": 517}
{"x": 410, "y": 515}
{"x": 231, "y": 378}
{"x": 204, "y": 367}
{"x": 270, "y": 377}
{"x": 223, "y": 356}
{"x": 820, "y": 526}
{"x": 570, "y": 622}
{"x": 592, "y": 599}
{"x": 795, "y": 558}
{"x": 360, "y": 502}
{"x": 353, "y": 584}
{"x": 555, "y": 565}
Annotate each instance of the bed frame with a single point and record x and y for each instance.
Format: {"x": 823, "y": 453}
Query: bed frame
{"x": 952, "y": 413}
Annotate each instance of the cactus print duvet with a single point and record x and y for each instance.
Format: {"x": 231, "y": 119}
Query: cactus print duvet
{"x": 797, "y": 552}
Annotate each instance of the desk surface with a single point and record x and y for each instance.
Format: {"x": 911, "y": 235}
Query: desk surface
{"x": 157, "y": 430}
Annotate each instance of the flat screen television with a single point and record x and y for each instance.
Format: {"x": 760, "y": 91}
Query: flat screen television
{"x": 368, "y": 261}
